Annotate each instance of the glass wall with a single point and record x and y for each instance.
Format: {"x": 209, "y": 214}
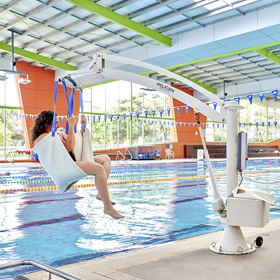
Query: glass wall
{"x": 126, "y": 114}
{"x": 260, "y": 123}
{"x": 11, "y": 121}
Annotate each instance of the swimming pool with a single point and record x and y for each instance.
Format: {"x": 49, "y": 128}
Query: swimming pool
{"x": 161, "y": 203}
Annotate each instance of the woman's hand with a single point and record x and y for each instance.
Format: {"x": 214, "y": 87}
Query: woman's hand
{"x": 72, "y": 120}
{"x": 83, "y": 119}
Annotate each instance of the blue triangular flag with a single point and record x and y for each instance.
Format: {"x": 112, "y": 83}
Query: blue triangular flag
{"x": 215, "y": 105}
{"x": 137, "y": 115}
{"x": 93, "y": 118}
{"x": 105, "y": 118}
{"x": 268, "y": 124}
{"x": 160, "y": 112}
{"x": 130, "y": 115}
{"x": 275, "y": 93}
{"x": 99, "y": 117}
{"x": 261, "y": 96}
{"x": 111, "y": 117}
{"x": 250, "y": 97}
{"x": 187, "y": 109}
{"x": 124, "y": 114}
{"x": 146, "y": 114}
{"x": 153, "y": 112}
{"x": 118, "y": 116}
{"x": 178, "y": 110}
{"x": 237, "y": 99}
{"x": 168, "y": 111}
{"x": 275, "y": 123}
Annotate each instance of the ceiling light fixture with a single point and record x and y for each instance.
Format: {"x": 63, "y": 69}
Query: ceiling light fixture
{"x": 142, "y": 94}
{"x": 3, "y": 78}
{"x": 154, "y": 95}
{"x": 24, "y": 81}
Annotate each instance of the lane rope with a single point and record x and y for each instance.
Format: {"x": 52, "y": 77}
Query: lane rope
{"x": 77, "y": 186}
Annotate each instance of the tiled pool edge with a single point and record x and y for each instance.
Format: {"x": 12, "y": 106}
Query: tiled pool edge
{"x": 108, "y": 267}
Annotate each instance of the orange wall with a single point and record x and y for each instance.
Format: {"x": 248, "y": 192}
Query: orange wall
{"x": 187, "y": 133}
{"x": 39, "y": 95}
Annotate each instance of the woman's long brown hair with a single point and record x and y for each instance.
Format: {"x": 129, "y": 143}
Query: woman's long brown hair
{"x": 42, "y": 121}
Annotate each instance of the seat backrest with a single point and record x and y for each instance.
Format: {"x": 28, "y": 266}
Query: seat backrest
{"x": 167, "y": 151}
{"x": 57, "y": 162}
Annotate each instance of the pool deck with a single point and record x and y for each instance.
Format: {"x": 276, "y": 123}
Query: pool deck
{"x": 185, "y": 259}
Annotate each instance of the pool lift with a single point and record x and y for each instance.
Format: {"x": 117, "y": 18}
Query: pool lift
{"x": 244, "y": 207}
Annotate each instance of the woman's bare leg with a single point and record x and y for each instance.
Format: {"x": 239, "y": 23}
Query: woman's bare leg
{"x": 105, "y": 161}
{"x": 98, "y": 171}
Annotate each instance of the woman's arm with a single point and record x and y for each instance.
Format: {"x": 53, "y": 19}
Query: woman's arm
{"x": 83, "y": 120}
{"x": 70, "y": 139}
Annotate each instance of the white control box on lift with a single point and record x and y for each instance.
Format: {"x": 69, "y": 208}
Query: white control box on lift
{"x": 247, "y": 207}
{"x": 242, "y": 151}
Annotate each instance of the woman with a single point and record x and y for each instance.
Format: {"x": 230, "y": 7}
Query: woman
{"x": 43, "y": 126}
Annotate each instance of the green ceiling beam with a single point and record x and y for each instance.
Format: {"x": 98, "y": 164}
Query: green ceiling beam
{"x": 98, "y": 84}
{"x": 207, "y": 87}
{"x": 121, "y": 20}
{"x": 218, "y": 56}
{"x": 36, "y": 57}
{"x": 269, "y": 55}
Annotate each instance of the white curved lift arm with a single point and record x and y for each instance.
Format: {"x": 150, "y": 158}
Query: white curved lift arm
{"x": 98, "y": 66}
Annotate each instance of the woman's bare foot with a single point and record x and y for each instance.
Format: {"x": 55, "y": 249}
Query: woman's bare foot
{"x": 113, "y": 213}
{"x": 99, "y": 198}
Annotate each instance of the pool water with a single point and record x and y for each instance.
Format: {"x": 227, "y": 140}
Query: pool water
{"x": 60, "y": 229}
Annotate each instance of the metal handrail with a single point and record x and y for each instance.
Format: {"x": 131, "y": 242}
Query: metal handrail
{"x": 120, "y": 153}
{"x": 42, "y": 266}
{"x": 126, "y": 149}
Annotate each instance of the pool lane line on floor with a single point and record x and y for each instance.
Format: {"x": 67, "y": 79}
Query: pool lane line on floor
{"x": 77, "y": 186}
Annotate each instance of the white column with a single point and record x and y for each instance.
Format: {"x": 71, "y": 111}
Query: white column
{"x": 232, "y": 146}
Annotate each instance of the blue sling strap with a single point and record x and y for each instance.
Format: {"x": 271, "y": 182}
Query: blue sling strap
{"x": 70, "y": 102}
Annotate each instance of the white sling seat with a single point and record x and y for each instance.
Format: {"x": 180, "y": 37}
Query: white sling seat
{"x": 58, "y": 163}
{"x": 83, "y": 148}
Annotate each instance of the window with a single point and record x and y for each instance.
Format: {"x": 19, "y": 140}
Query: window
{"x": 115, "y": 101}
{"x": 11, "y": 123}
